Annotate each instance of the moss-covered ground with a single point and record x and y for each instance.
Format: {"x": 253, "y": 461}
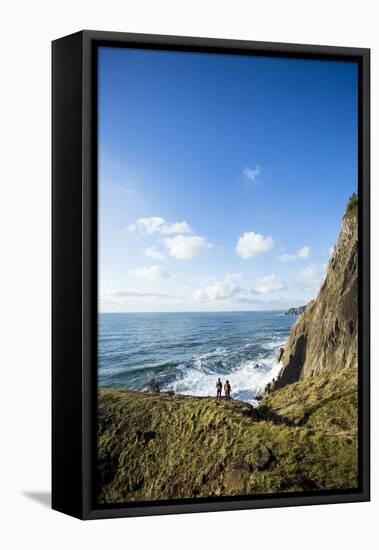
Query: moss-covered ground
{"x": 301, "y": 437}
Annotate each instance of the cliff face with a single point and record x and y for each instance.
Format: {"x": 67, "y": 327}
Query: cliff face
{"x": 324, "y": 338}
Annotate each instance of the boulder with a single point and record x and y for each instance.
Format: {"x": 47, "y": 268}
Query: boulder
{"x": 236, "y": 477}
{"x": 260, "y": 457}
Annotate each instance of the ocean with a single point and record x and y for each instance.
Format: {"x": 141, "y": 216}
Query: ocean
{"x": 187, "y": 352}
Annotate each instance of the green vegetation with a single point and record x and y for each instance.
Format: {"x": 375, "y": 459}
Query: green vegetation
{"x": 352, "y": 205}
{"x": 301, "y": 437}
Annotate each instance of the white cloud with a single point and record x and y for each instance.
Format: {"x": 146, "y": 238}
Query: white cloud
{"x": 129, "y": 300}
{"x": 176, "y": 227}
{"x": 251, "y": 244}
{"x": 147, "y": 225}
{"x": 219, "y": 290}
{"x": 262, "y": 304}
{"x": 301, "y": 254}
{"x": 132, "y": 228}
{"x": 251, "y": 174}
{"x": 184, "y": 247}
{"x": 312, "y": 276}
{"x": 151, "y": 274}
{"x": 156, "y": 224}
{"x": 268, "y": 284}
{"x": 153, "y": 252}
{"x": 331, "y": 250}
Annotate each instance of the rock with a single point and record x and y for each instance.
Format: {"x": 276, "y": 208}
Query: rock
{"x": 270, "y": 386}
{"x": 236, "y": 477}
{"x": 260, "y": 457}
{"x": 324, "y": 337}
{"x": 173, "y": 491}
{"x": 280, "y": 354}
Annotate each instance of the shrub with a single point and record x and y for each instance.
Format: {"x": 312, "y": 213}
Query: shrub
{"x": 353, "y": 203}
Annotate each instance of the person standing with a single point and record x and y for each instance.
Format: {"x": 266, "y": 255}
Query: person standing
{"x": 219, "y": 389}
{"x": 227, "y": 390}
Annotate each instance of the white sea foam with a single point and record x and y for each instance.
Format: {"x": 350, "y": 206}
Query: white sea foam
{"x": 274, "y": 344}
{"x": 246, "y": 379}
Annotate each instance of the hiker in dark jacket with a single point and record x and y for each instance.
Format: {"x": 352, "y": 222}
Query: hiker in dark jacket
{"x": 154, "y": 386}
{"x": 219, "y": 389}
{"x": 227, "y": 390}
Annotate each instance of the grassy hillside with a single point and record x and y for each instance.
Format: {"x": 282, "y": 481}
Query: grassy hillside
{"x": 301, "y": 437}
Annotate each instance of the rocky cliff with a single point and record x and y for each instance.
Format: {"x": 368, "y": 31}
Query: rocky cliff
{"x": 324, "y": 337}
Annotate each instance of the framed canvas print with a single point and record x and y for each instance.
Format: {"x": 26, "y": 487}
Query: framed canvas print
{"x": 210, "y": 274}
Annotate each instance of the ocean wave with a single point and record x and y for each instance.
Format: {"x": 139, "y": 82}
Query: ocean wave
{"x": 248, "y": 378}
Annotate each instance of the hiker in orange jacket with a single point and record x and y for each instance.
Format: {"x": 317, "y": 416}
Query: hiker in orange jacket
{"x": 227, "y": 390}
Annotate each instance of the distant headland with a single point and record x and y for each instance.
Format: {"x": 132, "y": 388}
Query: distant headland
{"x": 295, "y": 310}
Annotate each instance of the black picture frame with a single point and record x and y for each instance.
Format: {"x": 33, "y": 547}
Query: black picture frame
{"x": 74, "y": 270}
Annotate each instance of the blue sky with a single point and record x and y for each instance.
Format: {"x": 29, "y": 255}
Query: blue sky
{"x": 222, "y": 179}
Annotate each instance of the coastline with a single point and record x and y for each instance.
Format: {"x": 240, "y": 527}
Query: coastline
{"x": 302, "y": 435}
{"x": 186, "y": 353}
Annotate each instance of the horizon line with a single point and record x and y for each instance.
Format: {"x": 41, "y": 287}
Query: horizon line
{"x": 210, "y": 311}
